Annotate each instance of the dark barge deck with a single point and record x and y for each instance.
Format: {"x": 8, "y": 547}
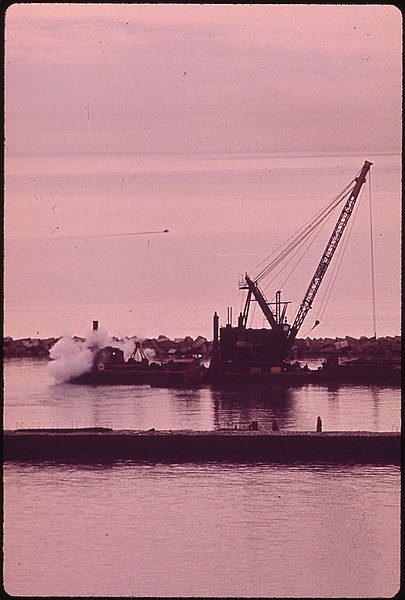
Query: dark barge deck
{"x": 104, "y": 444}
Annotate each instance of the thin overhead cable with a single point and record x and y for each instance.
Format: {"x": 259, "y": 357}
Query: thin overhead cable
{"x": 299, "y": 248}
{"x": 126, "y": 233}
{"x": 304, "y": 235}
{"x": 311, "y": 242}
{"x": 306, "y": 230}
{"x": 88, "y": 235}
{"x": 372, "y": 259}
{"x": 338, "y": 262}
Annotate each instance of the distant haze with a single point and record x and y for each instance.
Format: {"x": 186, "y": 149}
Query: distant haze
{"x": 122, "y": 78}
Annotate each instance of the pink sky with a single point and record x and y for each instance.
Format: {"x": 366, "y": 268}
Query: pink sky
{"x": 235, "y": 78}
{"x": 142, "y": 117}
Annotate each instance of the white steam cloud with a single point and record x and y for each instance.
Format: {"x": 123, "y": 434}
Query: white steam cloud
{"x": 71, "y": 357}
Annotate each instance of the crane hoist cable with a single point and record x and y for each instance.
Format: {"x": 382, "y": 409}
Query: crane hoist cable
{"x": 328, "y": 253}
{"x": 309, "y": 231}
{"x": 312, "y": 328}
{"x": 308, "y": 226}
{"x": 315, "y": 233}
{"x": 307, "y": 240}
{"x": 312, "y": 228}
{"x": 310, "y": 242}
{"x": 372, "y": 259}
{"x": 306, "y": 230}
{"x": 296, "y": 241}
{"x": 340, "y": 253}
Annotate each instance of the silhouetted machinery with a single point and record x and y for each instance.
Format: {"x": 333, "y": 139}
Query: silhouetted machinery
{"x": 249, "y": 350}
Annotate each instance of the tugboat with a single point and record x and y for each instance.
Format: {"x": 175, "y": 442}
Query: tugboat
{"x": 110, "y": 368}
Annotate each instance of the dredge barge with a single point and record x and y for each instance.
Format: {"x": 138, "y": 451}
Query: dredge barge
{"x": 244, "y": 353}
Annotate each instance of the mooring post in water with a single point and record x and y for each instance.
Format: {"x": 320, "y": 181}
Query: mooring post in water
{"x": 319, "y": 425}
{"x": 95, "y": 325}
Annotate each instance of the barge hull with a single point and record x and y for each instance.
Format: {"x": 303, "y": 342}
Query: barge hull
{"x": 340, "y": 376}
{"x": 104, "y": 444}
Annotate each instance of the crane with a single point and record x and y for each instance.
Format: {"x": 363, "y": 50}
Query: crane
{"x": 276, "y": 321}
{"x": 327, "y": 256}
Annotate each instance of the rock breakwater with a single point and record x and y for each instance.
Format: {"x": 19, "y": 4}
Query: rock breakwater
{"x": 388, "y": 347}
{"x": 163, "y": 346}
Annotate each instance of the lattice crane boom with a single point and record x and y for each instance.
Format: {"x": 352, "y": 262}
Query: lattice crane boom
{"x": 333, "y": 242}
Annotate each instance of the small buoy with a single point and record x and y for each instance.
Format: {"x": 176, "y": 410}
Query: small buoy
{"x": 100, "y": 366}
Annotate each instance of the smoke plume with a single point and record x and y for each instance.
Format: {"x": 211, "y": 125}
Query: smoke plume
{"x": 71, "y": 357}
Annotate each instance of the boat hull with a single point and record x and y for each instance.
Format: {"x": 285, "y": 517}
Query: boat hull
{"x": 130, "y": 375}
{"x": 340, "y": 375}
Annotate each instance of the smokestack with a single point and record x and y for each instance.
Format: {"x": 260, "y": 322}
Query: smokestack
{"x": 215, "y": 331}
{"x": 95, "y": 325}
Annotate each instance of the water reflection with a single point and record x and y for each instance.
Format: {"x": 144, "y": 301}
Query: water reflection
{"x": 32, "y": 400}
{"x": 239, "y": 407}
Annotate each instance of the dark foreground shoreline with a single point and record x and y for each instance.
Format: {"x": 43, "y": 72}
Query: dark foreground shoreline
{"x": 104, "y": 445}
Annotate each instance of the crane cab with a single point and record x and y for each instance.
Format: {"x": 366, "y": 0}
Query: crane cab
{"x": 248, "y": 350}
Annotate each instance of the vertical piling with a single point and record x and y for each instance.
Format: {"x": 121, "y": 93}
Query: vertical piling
{"x": 214, "y": 363}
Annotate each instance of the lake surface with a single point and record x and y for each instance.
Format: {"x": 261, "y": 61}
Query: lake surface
{"x": 211, "y": 529}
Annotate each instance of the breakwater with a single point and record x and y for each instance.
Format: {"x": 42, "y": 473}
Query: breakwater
{"x": 104, "y": 444}
{"x": 162, "y": 346}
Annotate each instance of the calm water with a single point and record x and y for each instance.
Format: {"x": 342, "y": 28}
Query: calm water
{"x": 206, "y": 529}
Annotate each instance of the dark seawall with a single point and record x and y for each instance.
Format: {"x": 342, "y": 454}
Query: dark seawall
{"x": 102, "y": 444}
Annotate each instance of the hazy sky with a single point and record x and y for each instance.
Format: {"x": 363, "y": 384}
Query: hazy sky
{"x": 123, "y": 78}
{"x": 128, "y": 117}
